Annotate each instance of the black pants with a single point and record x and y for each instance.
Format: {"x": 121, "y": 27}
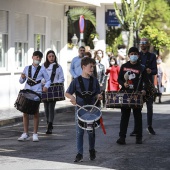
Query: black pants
{"x": 149, "y": 105}
{"x": 49, "y": 110}
{"x": 125, "y": 121}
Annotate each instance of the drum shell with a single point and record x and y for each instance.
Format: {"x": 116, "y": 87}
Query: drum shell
{"x": 92, "y": 123}
{"x": 55, "y": 93}
{"x": 27, "y": 105}
{"x": 116, "y": 99}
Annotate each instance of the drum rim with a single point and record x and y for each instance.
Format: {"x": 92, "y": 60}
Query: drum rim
{"x": 89, "y": 121}
{"x": 31, "y": 91}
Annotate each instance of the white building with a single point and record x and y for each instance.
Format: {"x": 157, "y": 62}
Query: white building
{"x": 29, "y": 25}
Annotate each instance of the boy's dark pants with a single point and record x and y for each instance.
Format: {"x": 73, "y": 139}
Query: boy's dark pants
{"x": 125, "y": 121}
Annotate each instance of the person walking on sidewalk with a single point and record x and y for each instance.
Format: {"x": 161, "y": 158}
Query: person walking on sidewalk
{"x": 133, "y": 84}
{"x": 90, "y": 84}
{"x": 149, "y": 61}
{"x": 38, "y": 73}
{"x": 56, "y": 75}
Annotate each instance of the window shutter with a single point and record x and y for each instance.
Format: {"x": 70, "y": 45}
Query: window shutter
{"x": 21, "y": 27}
{"x": 3, "y": 22}
{"x": 39, "y": 25}
{"x": 55, "y": 30}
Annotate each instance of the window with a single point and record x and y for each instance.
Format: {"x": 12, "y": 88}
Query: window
{"x": 3, "y": 39}
{"x": 21, "y": 50}
{"x": 3, "y": 50}
{"x": 39, "y": 42}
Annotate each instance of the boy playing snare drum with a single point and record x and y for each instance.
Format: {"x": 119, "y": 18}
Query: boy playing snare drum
{"x": 33, "y": 75}
{"x": 86, "y": 88}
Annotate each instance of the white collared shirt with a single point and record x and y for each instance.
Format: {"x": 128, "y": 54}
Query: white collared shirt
{"x": 42, "y": 74}
{"x": 59, "y": 75}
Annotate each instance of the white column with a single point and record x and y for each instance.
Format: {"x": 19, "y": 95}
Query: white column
{"x": 47, "y": 36}
{"x": 30, "y": 38}
{"x": 11, "y": 57}
{"x": 63, "y": 53}
{"x": 100, "y": 28}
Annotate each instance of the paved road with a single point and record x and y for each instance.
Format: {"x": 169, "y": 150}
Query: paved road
{"x": 57, "y": 151}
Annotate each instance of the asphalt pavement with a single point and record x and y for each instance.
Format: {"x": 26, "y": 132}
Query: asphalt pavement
{"x": 57, "y": 151}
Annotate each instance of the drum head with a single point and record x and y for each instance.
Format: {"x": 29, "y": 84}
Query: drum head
{"x": 29, "y": 94}
{"x": 89, "y": 113}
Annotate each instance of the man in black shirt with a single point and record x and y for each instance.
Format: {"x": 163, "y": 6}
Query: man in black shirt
{"x": 149, "y": 61}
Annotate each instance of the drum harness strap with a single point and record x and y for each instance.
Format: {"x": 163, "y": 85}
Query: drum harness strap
{"x": 55, "y": 66}
{"x": 31, "y": 83}
{"x": 86, "y": 95}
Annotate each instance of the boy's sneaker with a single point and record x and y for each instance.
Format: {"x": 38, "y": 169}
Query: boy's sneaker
{"x": 35, "y": 137}
{"x": 79, "y": 158}
{"x": 92, "y": 154}
{"x": 24, "y": 137}
{"x": 121, "y": 141}
{"x": 150, "y": 130}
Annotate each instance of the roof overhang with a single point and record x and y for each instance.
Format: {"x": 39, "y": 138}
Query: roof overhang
{"x": 81, "y": 2}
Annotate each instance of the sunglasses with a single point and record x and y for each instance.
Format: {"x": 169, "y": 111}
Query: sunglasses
{"x": 143, "y": 42}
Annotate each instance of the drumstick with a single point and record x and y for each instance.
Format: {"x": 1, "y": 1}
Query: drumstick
{"x": 81, "y": 107}
{"x": 95, "y": 103}
{"x": 30, "y": 79}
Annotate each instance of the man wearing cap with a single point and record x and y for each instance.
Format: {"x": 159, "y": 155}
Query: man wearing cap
{"x": 149, "y": 61}
{"x": 134, "y": 69}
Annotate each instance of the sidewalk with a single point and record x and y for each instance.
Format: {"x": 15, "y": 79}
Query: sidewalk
{"x": 12, "y": 115}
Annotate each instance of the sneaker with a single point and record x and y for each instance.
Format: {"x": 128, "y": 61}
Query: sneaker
{"x": 121, "y": 141}
{"x": 24, "y": 137}
{"x": 150, "y": 130}
{"x": 92, "y": 154}
{"x": 79, "y": 158}
{"x": 138, "y": 140}
{"x": 35, "y": 138}
{"x": 133, "y": 133}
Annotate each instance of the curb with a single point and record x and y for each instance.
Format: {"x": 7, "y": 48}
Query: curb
{"x": 19, "y": 119}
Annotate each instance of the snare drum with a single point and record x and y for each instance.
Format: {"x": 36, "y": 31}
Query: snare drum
{"x": 89, "y": 117}
{"x": 28, "y": 101}
{"x": 55, "y": 93}
{"x": 116, "y": 99}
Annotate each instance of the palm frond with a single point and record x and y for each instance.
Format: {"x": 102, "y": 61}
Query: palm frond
{"x": 75, "y": 14}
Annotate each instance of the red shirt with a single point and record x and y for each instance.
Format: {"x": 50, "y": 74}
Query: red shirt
{"x": 113, "y": 84}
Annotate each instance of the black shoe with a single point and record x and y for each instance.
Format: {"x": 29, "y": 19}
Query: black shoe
{"x": 138, "y": 140}
{"x": 150, "y": 130}
{"x": 92, "y": 154}
{"x": 50, "y": 128}
{"x": 121, "y": 141}
{"x": 79, "y": 158}
{"x": 133, "y": 133}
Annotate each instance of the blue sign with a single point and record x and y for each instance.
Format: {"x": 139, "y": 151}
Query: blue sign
{"x": 110, "y": 18}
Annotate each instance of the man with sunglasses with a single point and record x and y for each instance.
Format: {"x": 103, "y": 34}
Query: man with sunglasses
{"x": 149, "y": 61}
{"x": 75, "y": 68}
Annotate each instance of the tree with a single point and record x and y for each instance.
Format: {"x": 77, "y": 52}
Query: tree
{"x": 130, "y": 17}
{"x": 157, "y": 14}
{"x": 113, "y": 39}
{"x": 158, "y": 39}
{"x": 90, "y": 22}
